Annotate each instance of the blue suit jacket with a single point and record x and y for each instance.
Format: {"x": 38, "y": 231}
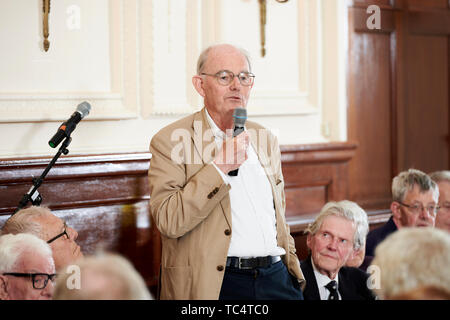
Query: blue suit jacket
{"x": 374, "y": 238}
{"x": 379, "y": 234}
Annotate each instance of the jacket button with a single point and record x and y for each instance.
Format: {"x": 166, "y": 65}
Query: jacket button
{"x": 227, "y": 232}
{"x": 219, "y": 268}
{"x": 216, "y": 190}
{"x": 210, "y": 195}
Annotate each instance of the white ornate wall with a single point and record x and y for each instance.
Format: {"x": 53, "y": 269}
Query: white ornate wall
{"x": 133, "y": 60}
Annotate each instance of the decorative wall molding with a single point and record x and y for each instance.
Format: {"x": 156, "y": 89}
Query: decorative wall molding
{"x": 120, "y": 102}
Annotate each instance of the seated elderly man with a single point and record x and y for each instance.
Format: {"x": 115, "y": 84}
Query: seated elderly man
{"x": 41, "y": 222}
{"x": 410, "y": 259}
{"x": 104, "y": 277}
{"x": 414, "y": 204}
{"x": 337, "y": 233}
{"x": 26, "y": 268}
{"x": 442, "y": 178}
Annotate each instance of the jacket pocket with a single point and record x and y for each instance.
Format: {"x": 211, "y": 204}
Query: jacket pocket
{"x": 176, "y": 283}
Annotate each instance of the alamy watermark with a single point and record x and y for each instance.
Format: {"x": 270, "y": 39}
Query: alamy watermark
{"x": 374, "y": 21}
{"x": 74, "y": 280}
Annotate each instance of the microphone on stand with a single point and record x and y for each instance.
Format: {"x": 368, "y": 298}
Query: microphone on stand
{"x": 66, "y": 128}
{"x": 63, "y": 132}
{"x": 240, "y": 116}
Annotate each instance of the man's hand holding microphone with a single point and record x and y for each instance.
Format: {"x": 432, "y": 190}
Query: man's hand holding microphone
{"x": 234, "y": 150}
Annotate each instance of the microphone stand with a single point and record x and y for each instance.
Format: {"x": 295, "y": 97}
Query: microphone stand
{"x": 36, "y": 199}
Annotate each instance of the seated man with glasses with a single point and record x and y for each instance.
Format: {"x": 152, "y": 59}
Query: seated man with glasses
{"x": 27, "y": 270}
{"x": 224, "y": 236}
{"x": 442, "y": 178}
{"x": 41, "y": 222}
{"x": 415, "y": 203}
{"x": 337, "y": 233}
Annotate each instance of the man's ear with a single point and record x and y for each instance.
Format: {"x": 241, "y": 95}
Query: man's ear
{"x": 308, "y": 241}
{"x": 197, "y": 81}
{"x": 4, "y": 288}
{"x": 396, "y": 213}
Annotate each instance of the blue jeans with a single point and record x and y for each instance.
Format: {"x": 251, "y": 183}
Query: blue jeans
{"x": 271, "y": 283}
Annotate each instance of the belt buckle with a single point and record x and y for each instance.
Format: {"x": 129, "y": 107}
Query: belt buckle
{"x": 240, "y": 265}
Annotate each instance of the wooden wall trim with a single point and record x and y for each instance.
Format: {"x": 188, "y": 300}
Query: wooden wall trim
{"x": 436, "y": 22}
{"x": 76, "y": 181}
{"x": 318, "y": 153}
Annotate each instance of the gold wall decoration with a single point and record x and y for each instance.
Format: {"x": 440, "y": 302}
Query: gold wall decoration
{"x": 46, "y": 12}
{"x": 263, "y": 16}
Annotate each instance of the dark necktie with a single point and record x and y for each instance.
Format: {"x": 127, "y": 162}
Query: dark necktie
{"x": 332, "y": 287}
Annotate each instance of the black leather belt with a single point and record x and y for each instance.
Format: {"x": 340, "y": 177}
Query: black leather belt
{"x": 252, "y": 263}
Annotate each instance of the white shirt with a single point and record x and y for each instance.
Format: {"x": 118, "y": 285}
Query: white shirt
{"x": 254, "y": 232}
{"x": 322, "y": 280}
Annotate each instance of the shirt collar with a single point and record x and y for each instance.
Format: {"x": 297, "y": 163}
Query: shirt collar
{"x": 215, "y": 129}
{"x": 321, "y": 279}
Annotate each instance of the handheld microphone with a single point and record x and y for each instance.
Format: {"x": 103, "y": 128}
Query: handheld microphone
{"x": 66, "y": 128}
{"x": 240, "y": 116}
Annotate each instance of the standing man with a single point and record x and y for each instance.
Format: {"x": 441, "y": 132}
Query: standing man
{"x": 223, "y": 237}
{"x": 338, "y": 232}
{"x": 414, "y": 204}
{"x": 442, "y": 178}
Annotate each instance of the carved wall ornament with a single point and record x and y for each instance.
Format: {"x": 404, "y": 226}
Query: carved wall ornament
{"x": 263, "y": 15}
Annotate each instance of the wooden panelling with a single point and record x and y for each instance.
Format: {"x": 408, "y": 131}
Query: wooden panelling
{"x": 369, "y": 118}
{"x": 366, "y": 3}
{"x": 398, "y": 94}
{"x": 428, "y": 4}
{"x": 426, "y": 122}
{"x": 305, "y": 200}
{"x": 105, "y": 197}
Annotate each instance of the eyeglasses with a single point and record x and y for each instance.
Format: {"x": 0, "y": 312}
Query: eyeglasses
{"x": 418, "y": 208}
{"x": 39, "y": 280}
{"x": 225, "y": 77}
{"x": 60, "y": 235}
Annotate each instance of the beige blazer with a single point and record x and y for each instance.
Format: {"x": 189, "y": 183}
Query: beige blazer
{"x": 190, "y": 205}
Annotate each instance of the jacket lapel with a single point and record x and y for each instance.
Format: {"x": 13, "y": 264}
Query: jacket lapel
{"x": 203, "y": 138}
{"x": 205, "y": 146}
{"x": 311, "y": 291}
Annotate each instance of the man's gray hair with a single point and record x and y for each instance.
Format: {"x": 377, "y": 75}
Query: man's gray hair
{"x": 439, "y": 176}
{"x": 406, "y": 180}
{"x": 204, "y": 57}
{"x": 348, "y": 210}
{"x": 13, "y": 246}
{"x": 24, "y": 221}
{"x": 411, "y": 258}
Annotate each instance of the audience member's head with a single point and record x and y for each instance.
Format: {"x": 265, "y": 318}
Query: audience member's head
{"x": 414, "y": 199}
{"x": 27, "y": 270}
{"x": 338, "y": 232}
{"x": 424, "y": 293}
{"x": 41, "y": 222}
{"x": 442, "y": 178}
{"x": 411, "y": 258}
{"x": 102, "y": 277}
